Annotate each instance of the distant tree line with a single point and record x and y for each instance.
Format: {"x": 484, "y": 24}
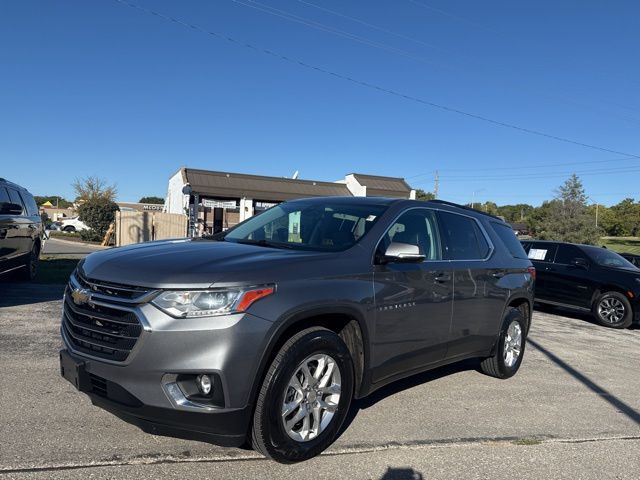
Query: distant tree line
{"x": 568, "y": 216}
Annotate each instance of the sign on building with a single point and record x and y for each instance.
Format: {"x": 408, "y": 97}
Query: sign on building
{"x": 213, "y": 203}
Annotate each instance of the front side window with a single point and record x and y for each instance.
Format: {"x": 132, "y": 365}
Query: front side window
{"x": 415, "y": 227}
{"x": 309, "y": 226}
{"x": 30, "y": 203}
{"x": 607, "y": 258}
{"x": 462, "y": 238}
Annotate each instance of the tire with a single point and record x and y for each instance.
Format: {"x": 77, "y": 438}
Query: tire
{"x": 502, "y": 364}
{"x": 30, "y": 270}
{"x": 269, "y": 435}
{"x": 613, "y": 310}
{"x": 69, "y": 228}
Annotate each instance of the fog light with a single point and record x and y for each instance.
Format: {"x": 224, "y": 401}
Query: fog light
{"x": 204, "y": 384}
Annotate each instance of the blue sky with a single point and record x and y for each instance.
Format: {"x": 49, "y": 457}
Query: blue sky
{"x": 100, "y": 88}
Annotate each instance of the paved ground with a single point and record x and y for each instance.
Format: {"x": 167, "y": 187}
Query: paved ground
{"x": 68, "y": 248}
{"x": 573, "y": 411}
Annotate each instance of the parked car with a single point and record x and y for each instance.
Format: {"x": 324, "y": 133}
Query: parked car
{"x": 587, "y": 278}
{"x": 21, "y": 231}
{"x": 266, "y": 332}
{"x": 73, "y": 225}
{"x": 632, "y": 258}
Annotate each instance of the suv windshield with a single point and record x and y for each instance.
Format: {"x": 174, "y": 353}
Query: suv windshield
{"x": 607, "y": 258}
{"x": 309, "y": 226}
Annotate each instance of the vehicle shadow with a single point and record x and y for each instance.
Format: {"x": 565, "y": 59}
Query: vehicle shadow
{"x": 401, "y": 474}
{"x": 13, "y": 293}
{"x": 568, "y": 312}
{"x": 604, "y": 394}
{"x": 405, "y": 384}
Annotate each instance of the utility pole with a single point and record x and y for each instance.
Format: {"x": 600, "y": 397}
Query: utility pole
{"x": 436, "y": 185}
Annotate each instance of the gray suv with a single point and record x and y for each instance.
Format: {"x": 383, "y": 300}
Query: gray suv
{"x": 264, "y": 334}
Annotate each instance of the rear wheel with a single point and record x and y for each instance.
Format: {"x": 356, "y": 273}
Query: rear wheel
{"x": 612, "y": 309}
{"x": 30, "y": 269}
{"x": 69, "y": 228}
{"x": 509, "y": 351}
{"x": 304, "y": 398}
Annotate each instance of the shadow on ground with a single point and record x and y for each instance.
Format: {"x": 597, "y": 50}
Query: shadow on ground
{"x": 13, "y": 294}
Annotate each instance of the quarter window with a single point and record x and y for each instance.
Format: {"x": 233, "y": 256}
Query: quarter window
{"x": 30, "y": 203}
{"x": 462, "y": 238}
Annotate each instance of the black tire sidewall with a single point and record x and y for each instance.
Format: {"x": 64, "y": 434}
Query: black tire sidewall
{"x": 506, "y": 371}
{"x": 281, "y": 447}
{"x": 625, "y": 322}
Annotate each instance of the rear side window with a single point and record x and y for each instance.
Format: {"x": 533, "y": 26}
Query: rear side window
{"x": 540, "y": 252}
{"x": 509, "y": 239}
{"x": 462, "y": 238}
{"x": 567, "y": 253}
{"x": 14, "y": 197}
{"x": 30, "y": 203}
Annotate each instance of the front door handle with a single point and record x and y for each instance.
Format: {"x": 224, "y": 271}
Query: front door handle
{"x": 442, "y": 277}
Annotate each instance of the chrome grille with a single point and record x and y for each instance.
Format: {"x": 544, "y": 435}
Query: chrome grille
{"x": 102, "y": 324}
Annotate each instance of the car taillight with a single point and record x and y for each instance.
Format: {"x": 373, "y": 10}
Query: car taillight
{"x": 532, "y": 272}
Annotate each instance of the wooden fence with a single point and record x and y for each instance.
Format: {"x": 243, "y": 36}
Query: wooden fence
{"x": 137, "y": 227}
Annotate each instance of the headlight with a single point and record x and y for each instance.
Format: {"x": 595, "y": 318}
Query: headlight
{"x": 206, "y": 303}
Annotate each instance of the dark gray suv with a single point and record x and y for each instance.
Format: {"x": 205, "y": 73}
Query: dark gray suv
{"x": 264, "y": 334}
{"x": 21, "y": 231}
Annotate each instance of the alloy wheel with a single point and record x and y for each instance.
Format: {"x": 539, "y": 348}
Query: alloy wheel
{"x": 311, "y": 397}
{"x": 611, "y": 310}
{"x": 512, "y": 344}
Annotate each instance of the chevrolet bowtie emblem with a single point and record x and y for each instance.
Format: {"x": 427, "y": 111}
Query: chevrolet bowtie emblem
{"x": 80, "y": 296}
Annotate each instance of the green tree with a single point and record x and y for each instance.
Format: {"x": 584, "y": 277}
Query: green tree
{"x": 625, "y": 219}
{"x": 97, "y": 215}
{"x": 516, "y": 213}
{"x": 566, "y": 218}
{"x": 422, "y": 195}
{"x": 154, "y": 200}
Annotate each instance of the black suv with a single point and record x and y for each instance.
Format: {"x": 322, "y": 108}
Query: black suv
{"x": 21, "y": 231}
{"x": 587, "y": 278}
{"x": 268, "y": 331}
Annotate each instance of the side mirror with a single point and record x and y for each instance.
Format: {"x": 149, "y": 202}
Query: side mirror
{"x": 580, "y": 263}
{"x": 10, "y": 209}
{"x": 398, "y": 252}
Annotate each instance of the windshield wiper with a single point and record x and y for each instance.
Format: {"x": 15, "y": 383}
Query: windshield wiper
{"x": 264, "y": 243}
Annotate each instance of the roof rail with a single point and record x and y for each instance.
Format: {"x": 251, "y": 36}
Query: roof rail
{"x": 444, "y": 202}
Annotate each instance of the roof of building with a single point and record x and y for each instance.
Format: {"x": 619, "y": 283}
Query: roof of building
{"x": 378, "y": 186}
{"x": 224, "y": 184}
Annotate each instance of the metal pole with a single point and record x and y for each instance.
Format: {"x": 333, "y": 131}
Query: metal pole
{"x": 597, "y": 207}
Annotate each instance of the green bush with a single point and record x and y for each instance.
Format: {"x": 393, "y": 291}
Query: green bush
{"x": 97, "y": 215}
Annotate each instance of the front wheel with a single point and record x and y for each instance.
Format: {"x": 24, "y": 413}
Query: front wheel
{"x": 69, "y": 229}
{"x": 509, "y": 351}
{"x": 304, "y": 398}
{"x": 612, "y": 309}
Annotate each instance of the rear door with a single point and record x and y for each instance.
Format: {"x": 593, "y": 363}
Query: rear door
{"x": 567, "y": 283}
{"x": 542, "y": 255}
{"x": 413, "y": 300}
{"x": 478, "y": 301}
{"x": 8, "y": 243}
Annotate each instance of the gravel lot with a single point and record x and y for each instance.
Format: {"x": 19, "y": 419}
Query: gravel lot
{"x": 573, "y": 411}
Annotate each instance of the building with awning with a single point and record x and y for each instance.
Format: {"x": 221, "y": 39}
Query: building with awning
{"x": 219, "y": 200}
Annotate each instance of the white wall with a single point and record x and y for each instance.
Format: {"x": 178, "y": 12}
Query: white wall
{"x": 176, "y": 201}
{"x": 354, "y": 186}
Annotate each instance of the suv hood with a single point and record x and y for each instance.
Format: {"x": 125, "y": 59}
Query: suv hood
{"x": 187, "y": 263}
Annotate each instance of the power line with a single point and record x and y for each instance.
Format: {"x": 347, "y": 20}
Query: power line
{"x": 373, "y": 86}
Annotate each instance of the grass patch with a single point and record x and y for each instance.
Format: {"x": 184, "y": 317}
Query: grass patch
{"x": 527, "y": 441}
{"x": 70, "y": 236}
{"x": 622, "y": 244}
{"x": 55, "y": 270}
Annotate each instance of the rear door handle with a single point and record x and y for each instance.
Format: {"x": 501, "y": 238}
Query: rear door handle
{"x": 498, "y": 274}
{"x": 442, "y": 277}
